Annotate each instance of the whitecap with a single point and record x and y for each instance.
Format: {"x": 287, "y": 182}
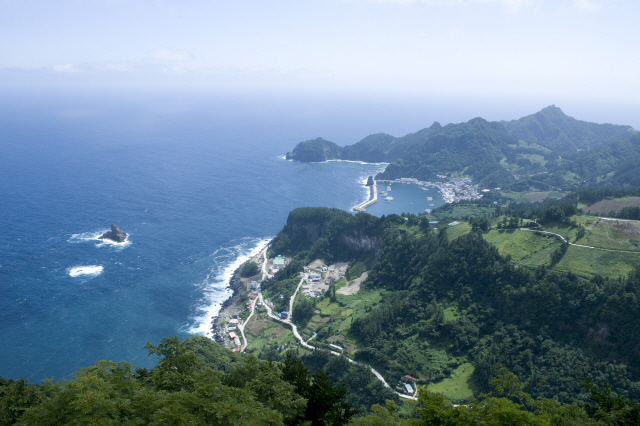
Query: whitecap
{"x": 90, "y": 270}
{"x": 216, "y": 284}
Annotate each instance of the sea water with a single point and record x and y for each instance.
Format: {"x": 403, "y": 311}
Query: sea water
{"x": 407, "y": 198}
{"x": 198, "y": 182}
{"x": 198, "y": 190}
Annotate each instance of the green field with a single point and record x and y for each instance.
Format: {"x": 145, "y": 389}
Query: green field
{"x": 525, "y": 247}
{"x": 615, "y": 235}
{"x": 458, "y": 387}
{"x": 461, "y": 211}
{"x": 265, "y": 332}
{"x": 456, "y": 231}
{"x": 333, "y": 320}
{"x": 588, "y": 262}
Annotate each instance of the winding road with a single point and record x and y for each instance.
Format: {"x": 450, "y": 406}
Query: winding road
{"x": 294, "y": 328}
{"x": 566, "y": 241}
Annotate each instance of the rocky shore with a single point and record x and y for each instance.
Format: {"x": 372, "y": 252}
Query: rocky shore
{"x": 231, "y": 308}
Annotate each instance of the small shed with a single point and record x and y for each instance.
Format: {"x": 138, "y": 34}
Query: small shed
{"x": 284, "y": 315}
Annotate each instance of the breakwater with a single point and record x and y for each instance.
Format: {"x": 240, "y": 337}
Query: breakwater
{"x": 373, "y": 197}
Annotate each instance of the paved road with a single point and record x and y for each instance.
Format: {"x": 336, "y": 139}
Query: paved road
{"x": 574, "y": 244}
{"x": 308, "y": 346}
{"x": 253, "y": 303}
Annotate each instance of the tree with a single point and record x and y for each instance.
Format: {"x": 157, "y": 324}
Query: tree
{"x": 249, "y": 269}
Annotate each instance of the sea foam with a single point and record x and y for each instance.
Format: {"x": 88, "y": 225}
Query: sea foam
{"x": 216, "y": 284}
{"x": 90, "y": 270}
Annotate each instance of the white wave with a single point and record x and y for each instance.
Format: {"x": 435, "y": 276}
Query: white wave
{"x": 92, "y": 270}
{"x": 95, "y": 236}
{"x": 358, "y": 162}
{"x": 362, "y": 181}
{"x": 216, "y": 283}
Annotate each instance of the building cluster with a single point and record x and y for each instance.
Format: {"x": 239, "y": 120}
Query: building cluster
{"x": 407, "y": 385}
{"x": 318, "y": 277}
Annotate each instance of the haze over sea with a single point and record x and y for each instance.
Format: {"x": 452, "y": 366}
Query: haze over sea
{"x": 198, "y": 182}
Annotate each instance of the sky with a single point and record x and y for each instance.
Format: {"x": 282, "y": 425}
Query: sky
{"x": 567, "y": 49}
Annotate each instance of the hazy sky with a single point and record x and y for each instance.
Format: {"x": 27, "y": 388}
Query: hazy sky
{"x": 569, "y": 48}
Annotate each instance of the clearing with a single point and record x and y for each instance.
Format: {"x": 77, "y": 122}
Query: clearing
{"x": 604, "y": 207}
{"x": 354, "y": 286}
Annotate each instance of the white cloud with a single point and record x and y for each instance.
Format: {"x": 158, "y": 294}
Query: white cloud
{"x": 587, "y": 4}
{"x": 170, "y": 55}
{"x": 64, "y": 68}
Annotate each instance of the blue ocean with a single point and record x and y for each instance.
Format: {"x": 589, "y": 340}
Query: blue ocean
{"x": 199, "y": 182}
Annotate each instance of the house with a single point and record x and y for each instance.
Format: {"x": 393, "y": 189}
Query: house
{"x": 408, "y": 377}
{"x": 278, "y": 262}
{"x": 253, "y": 296}
{"x": 249, "y": 307}
{"x": 315, "y": 279}
{"x": 235, "y": 350}
{"x": 284, "y": 315}
{"x": 233, "y": 335}
{"x": 408, "y": 387}
{"x": 254, "y": 284}
{"x": 236, "y": 342}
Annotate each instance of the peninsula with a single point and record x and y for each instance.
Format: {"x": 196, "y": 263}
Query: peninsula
{"x": 544, "y": 151}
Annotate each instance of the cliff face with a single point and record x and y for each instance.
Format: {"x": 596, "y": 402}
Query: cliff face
{"x": 358, "y": 241}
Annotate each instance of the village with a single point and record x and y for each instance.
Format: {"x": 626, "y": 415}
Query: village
{"x": 316, "y": 279}
{"x": 455, "y": 190}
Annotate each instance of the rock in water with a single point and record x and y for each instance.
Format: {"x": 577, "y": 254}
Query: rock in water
{"x": 370, "y": 181}
{"x": 114, "y": 235}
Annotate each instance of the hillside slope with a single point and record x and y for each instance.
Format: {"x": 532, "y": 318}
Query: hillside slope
{"x": 555, "y": 130}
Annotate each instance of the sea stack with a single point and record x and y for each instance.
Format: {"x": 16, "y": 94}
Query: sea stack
{"x": 370, "y": 181}
{"x": 114, "y": 235}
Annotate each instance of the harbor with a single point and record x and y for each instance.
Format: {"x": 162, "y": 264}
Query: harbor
{"x": 414, "y": 200}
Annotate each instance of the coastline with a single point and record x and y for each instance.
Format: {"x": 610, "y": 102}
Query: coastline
{"x": 233, "y": 306}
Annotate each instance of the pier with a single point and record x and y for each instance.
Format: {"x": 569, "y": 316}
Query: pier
{"x": 373, "y": 197}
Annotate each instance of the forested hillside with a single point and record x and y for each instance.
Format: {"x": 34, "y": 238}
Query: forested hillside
{"x": 540, "y": 152}
{"x": 446, "y": 303}
{"x": 183, "y": 390}
{"x": 553, "y": 129}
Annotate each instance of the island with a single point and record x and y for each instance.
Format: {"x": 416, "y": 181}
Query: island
{"x": 115, "y": 235}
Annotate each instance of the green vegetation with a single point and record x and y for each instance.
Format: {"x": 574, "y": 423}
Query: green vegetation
{"x": 249, "y": 269}
{"x": 457, "y": 387}
{"x": 538, "y": 154}
{"x": 554, "y": 130}
{"x": 436, "y": 301}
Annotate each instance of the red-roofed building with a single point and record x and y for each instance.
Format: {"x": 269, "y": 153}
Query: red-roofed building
{"x": 233, "y": 335}
{"x": 410, "y": 378}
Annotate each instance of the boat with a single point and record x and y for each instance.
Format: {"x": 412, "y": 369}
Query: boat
{"x": 429, "y": 198}
{"x": 431, "y": 205}
{"x": 388, "y": 199}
